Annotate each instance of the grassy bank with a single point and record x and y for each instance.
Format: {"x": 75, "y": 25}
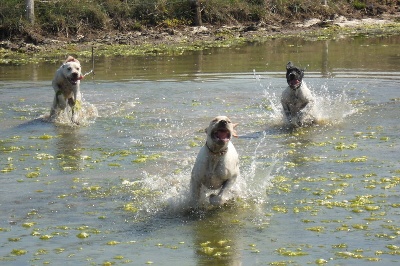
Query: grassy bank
{"x": 65, "y": 18}
{"x": 154, "y": 27}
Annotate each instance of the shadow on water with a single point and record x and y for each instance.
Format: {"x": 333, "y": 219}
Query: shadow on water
{"x": 33, "y": 125}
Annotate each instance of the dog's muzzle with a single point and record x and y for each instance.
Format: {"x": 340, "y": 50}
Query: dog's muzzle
{"x": 221, "y": 132}
{"x": 74, "y": 78}
{"x": 293, "y": 82}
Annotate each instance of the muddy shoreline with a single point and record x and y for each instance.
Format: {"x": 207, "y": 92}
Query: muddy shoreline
{"x": 156, "y": 41}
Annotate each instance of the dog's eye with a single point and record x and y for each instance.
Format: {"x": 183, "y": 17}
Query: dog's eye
{"x": 69, "y": 68}
{"x": 77, "y": 68}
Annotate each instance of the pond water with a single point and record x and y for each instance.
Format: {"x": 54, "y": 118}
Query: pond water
{"x": 114, "y": 189}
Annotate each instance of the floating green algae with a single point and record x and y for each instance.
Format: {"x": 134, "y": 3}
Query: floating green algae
{"x": 44, "y": 156}
{"x": 28, "y": 225}
{"x": 341, "y": 245}
{"x": 142, "y": 158}
{"x": 45, "y": 237}
{"x": 360, "y": 226}
{"x": 43, "y": 137}
{"x": 216, "y": 248}
{"x": 281, "y": 263}
{"x": 354, "y": 160}
{"x": 131, "y": 207}
{"x": 291, "y": 253}
{"x": 320, "y": 261}
{"x": 19, "y": 252}
{"x": 318, "y": 229}
{"x": 113, "y": 243}
{"x": 8, "y": 168}
{"x": 347, "y": 254}
{"x": 32, "y": 174}
{"x": 41, "y": 252}
{"x": 343, "y": 146}
{"x": 83, "y": 235}
{"x": 12, "y": 149}
{"x": 393, "y": 247}
{"x": 114, "y": 164}
{"x": 281, "y": 209}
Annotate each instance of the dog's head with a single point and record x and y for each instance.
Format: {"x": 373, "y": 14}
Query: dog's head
{"x": 294, "y": 75}
{"x": 219, "y": 133}
{"x": 71, "y": 70}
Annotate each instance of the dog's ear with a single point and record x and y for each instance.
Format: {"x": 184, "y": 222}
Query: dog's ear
{"x": 70, "y": 59}
{"x": 234, "y": 133}
{"x": 289, "y": 65}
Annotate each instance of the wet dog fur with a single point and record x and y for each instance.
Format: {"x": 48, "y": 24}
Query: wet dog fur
{"x": 217, "y": 163}
{"x": 297, "y": 100}
{"x": 66, "y": 85}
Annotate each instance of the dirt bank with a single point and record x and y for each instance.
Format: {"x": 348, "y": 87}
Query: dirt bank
{"x": 154, "y": 41}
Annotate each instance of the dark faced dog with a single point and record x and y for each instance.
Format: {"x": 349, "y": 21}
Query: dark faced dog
{"x": 297, "y": 100}
{"x": 294, "y": 76}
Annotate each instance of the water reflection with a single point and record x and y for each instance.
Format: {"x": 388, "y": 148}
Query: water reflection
{"x": 325, "y": 60}
{"x": 217, "y": 238}
{"x": 68, "y": 148}
{"x": 322, "y": 56}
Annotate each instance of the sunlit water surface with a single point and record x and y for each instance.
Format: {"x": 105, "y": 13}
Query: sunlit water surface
{"x": 114, "y": 189}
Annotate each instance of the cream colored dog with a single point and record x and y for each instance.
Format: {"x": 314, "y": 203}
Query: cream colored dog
{"x": 66, "y": 86}
{"x": 217, "y": 164}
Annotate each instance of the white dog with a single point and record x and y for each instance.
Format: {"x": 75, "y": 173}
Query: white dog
{"x": 297, "y": 100}
{"x": 217, "y": 164}
{"x": 66, "y": 86}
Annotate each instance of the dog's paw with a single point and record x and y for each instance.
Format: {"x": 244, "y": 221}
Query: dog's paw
{"x": 75, "y": 119}
{"x": 216, "y": 200}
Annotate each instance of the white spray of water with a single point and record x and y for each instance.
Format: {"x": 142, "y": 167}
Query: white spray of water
{"x": 88, "y": 113}
{"x": 170, "y": 193}
{"x": 329, "y": 108}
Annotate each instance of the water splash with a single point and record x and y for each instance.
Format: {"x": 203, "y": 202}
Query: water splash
{"x": 332, "y": 109}
{"x": 170, "y": 194}
{"x": 88, "y": 114}
{"x": 154, "y": 194}
{"x": 329, "y": 108}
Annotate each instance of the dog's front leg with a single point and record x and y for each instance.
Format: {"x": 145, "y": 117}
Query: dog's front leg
{"x": 75, "y": 106}
{"x": 218, "y": 200}
{"x": 54, "y": 108}
{"x": 195, "y": 190}
{"x": 286, "y": 111}
{"x": 305, "y": 113}
{"x": 59, "y": 103}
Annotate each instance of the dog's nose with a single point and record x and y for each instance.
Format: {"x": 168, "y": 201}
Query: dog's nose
{"x": 292, "y": 76}
{"x": 75, "y": 75}
{"x": 222, "y": 123}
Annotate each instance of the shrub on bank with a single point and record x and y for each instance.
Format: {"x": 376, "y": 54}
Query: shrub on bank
{"x": 63, "y": 18}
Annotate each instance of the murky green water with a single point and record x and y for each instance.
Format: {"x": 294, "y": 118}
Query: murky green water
{"x": 113, "y": 191}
